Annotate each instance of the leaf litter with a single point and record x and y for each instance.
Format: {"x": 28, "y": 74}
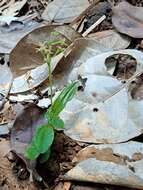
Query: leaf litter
{"x": 95, "y": 64}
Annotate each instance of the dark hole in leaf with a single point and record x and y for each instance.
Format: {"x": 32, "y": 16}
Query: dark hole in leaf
{"x": 136, "y": 88}
{"x": 123, "y": 81}
{"x": 2, "y": 61}
{"x": 122, "y": 66}
{"x": 95, "y": 109}
{"x": 80, "y": 88}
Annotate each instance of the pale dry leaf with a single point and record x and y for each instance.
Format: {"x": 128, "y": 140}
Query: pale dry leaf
{"x": 64, "y": 11}
{"x": 128, "y": 19}
{"x": 116, "y": 164}
{"x": 103, "y": 112}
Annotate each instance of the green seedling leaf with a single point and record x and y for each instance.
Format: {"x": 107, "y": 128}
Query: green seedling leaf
{"x": 31, "y": 152}
{"x": 57, "y": 123}
{"x": 43, "y": 138}
{"x": 44, "y": 157}
{"x": 65, "y": 96}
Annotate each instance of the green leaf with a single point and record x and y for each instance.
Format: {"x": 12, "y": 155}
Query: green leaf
{"x": 43, "y": 138}
{"x": 65, "y": 96}
{"x": 44, "y": 157}
{"x": 57, "y": 123}
{"x": 31, "y": 152}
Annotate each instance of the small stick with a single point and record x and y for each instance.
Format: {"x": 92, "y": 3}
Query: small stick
{"x": 94, "y": 26}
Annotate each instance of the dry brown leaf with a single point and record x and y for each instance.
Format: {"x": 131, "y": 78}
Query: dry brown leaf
{"x": 128, "y": 19}
{"x": 64, "y": 11}
{"x": 31, "y": 59}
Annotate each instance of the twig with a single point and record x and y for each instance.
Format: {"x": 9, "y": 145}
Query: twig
{"x": 94, "y": 26}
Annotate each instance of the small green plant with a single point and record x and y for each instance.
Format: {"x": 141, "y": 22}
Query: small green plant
{"x": 44, "y": 135}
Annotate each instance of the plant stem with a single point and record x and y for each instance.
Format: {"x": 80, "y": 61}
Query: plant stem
{"x": 50, "y": 79}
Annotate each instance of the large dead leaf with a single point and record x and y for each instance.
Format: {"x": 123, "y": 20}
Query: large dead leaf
{"x": 116, "y": 164}
{"x": 128, "y": 19}
{"x": 102, "y": 111}
{"x": 31, "y": 59}
{"x": 64, "y": 11}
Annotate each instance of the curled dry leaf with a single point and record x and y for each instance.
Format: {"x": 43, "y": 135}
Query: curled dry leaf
{"x": 31, "y": 59}
{"x": 111, "y": 39}
{"x": 128, "y": 19}
{"x": 64, "y": 11}
{"x": 116, "y": 164}
{"x": 102, "y": 111}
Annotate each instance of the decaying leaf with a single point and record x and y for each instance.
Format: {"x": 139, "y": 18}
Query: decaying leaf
{"x": 64, "y": 11}
{"x": 92, "y": 116}
{"x": 31, "y": 59}
{"x": 128, "y": 19}
{"x": 111, "y": 39}
{"x": 24, "y": 127}
{"x": 116, "y": 164}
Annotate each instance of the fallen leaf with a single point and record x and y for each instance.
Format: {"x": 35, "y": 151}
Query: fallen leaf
{"x": 102, "y": 111}
{"x": 128, "y": 19}
{"x": 64, "y": 11}
{"x": 111, "y": 39}
{"x": 116, "y": 164}
{"x": 24, "y": 127}
{"x": 31, "y": 59}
